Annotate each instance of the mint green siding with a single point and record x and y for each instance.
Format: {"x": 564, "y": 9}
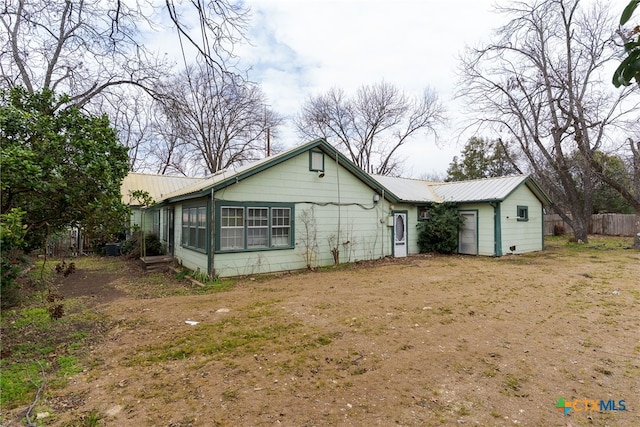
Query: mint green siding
{"x": 333, "y": 212}
{"x": 526, "y": 236}
{"x": 486, "y": 229}
{"x": 191, "y": 259}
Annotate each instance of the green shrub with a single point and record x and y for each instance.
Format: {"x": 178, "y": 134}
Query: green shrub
{"x": 133, "y": 246}
{"x": 439, "y": 233}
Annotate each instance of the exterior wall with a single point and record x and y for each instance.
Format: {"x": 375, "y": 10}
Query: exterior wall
{"x": 137, "y": 220}
{"x": 486, "y": 226}
{"x": 191, "y": 259}
{"x": 412, "y": 230}
{"x": 526, "y": 236}
{"x": 336, "y": 210}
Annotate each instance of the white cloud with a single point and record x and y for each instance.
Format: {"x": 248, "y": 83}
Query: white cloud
{"x": 301, "y": 49}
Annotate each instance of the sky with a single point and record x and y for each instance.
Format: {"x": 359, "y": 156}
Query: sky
{"x": 300, "y": 49}
{"x": 303, "y": 48}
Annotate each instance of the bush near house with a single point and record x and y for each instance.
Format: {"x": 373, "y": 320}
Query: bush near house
{"x": 440, "y": 232}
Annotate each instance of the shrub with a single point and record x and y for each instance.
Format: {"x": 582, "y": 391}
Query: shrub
{"x": 439, "y": 233}
{"x": 133, "y": 246}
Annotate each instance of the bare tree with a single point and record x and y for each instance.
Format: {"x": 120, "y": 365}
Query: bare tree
{"x": 222, "y": 118}
{"x": 546, "y": 69}
{"x": 84, "y": 47}
{"x": 372, "y": 126}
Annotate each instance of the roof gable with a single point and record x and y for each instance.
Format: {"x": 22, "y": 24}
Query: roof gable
{"x": 201, "y": 187}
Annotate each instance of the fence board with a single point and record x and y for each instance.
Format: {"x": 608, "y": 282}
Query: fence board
{"x": 604, "y": 224}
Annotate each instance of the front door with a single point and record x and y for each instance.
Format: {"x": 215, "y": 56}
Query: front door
{"x": 468, "y": 236}
{"x": 399, "y": 235}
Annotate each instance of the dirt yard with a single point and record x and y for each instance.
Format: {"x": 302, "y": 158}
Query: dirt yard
{"x": 420, "y": 341}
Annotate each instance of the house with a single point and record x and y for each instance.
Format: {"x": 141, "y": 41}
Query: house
{"x": 501, "y": 215}
{"x": 310, "y": 206}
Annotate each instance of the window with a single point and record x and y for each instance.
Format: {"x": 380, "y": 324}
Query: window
{"x": 257, "y": 228}
{"x": 280, "y": 226}
{"x": 156, "y": 222}
{"x": 316, "y": 160}
{"x": 232, "y": 228}
{"x": 250, "y": 227}
{"x": 523, "y": 213}
{"x": 194, "y": 227}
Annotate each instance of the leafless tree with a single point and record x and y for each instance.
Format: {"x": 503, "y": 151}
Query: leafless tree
{"x": 85, "y": 47}
{"x": 372, "y": 126}
{"x": 223, "y": 119}
{"x": 546, "y": 69}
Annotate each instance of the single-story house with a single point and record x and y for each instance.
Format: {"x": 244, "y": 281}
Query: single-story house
{"x": 310, "y": 206}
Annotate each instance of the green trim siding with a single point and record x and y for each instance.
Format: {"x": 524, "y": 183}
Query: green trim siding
{"x": 497, "y": 230}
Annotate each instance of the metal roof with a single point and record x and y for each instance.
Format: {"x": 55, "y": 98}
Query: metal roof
{"x": 408, "y": 189}
{"x": 480, "y": 190}
{"x": 158, "y": 186}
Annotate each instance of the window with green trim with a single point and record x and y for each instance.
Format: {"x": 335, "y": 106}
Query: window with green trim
{"x": 316, "y": 161}
{"x": 194, "y": 227}
{"x": 250, "y": 228}
{"x": 523, "y": 213}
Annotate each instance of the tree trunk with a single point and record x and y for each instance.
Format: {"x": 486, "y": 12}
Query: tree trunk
{"x": 580, "y": 225}
{"x": 636, "y": 240}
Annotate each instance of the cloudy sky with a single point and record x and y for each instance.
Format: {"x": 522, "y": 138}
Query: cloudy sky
{"x": 303, "y": 48}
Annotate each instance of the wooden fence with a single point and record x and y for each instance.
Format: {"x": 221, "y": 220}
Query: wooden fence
{"x": 605, "y": 224}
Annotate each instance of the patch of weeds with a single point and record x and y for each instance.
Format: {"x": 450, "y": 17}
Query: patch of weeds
{"x": 512, "y": 382}
{"x": 463, "y": 410}
{"x": 229, "y": 395}
{"x": 495, "y": 414}
{"x": 19, "y": 382}
{"x": 603, "y": 370}
{"x": 91, "y": 419}
{"x": 445, "y": 310}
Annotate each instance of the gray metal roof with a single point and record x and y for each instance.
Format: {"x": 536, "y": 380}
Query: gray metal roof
{"x": 158, "y": 186}
{"x": 408, "y": 189}
{"x": 480, "y": 190}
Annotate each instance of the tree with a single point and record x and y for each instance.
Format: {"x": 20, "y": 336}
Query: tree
{"x": 606, "y": 198}
{"x": 61, "y": 167}
{"x": 542, "y": 73}
{"x": 371, "y": 127}
{"x": 439, "y": 233}
{"x": 629, "y": 68}
{"x": 482, "y": 158}
{"x": 223, "y": 120}
{"x": 85, "y": 48}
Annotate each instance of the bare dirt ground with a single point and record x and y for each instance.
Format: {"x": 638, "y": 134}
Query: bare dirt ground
{"x": 421, "y": 341}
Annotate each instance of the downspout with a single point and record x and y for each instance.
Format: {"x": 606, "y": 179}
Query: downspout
{"x": 212, "y": 238}
{"x": 383, "y": 222}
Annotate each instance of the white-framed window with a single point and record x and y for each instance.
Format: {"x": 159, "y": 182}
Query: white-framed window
{"x": 247, "y": 227}
{"x": 231, "y": 228}
{"x": 280, "y": 227}
{"x": 257, "y": 228}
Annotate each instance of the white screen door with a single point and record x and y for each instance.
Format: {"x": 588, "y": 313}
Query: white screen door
{"x": 399, "y": 235}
